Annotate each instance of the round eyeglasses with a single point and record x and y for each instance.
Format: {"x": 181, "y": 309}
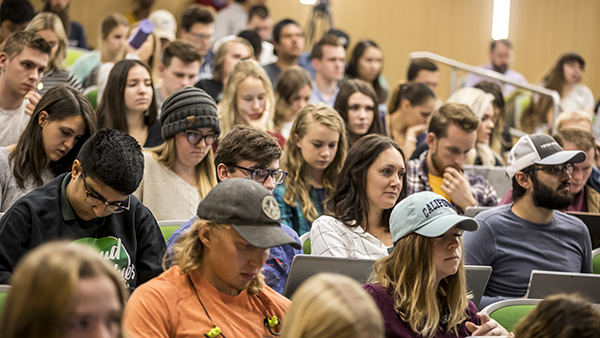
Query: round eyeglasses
{"x": 194, "y": 137}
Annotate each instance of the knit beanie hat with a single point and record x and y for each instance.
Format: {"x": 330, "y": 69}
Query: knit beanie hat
{"x": 188, "y": 108}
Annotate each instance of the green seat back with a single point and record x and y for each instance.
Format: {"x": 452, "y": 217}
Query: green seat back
{"x": 510, "y": 316}
{"x": 92, "y": 96}
{"x": 168, "y": 230}
{"x": 596, "y": 264}
{"x": 306, "y": 246}
{"x": 2, "y": 300}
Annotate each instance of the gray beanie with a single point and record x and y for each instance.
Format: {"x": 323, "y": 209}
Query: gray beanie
{"x": 188, "y": 108}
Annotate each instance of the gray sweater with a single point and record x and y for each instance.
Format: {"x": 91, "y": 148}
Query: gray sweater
{"x": 10, "y": 191}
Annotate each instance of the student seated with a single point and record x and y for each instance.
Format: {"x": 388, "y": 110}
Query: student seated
{"x": 216, "y": 286}
{"x": 23, "y": 60}
{"x": 330, "y": 305}
{"x": 91, "y": 204}
{"x": 248, "y": 99}
{"x": 420, "y": 287}
{"x": 370, "y": 184}
{"x": 62, "y": 289}
{"x": 410, "y": 109}
{"x": 49, "y": 26}
{"x": 292, "y": 93}
{"x": 180, "y": 172}
{"x": 313, "y": 156}
{"x": 246, "y": 152}
{"x": 357, "y": 105}
{"x": 129, "y": 103}
{"x": 530, "y": 234}
{"x": 61, "y": 122}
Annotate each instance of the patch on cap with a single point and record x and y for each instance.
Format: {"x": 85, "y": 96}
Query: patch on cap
{"x": 271, "y": 208}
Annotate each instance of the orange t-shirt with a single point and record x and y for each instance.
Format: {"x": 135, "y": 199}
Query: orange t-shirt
{"x": 435, "y": 182}
{"x": 167, "y": 307}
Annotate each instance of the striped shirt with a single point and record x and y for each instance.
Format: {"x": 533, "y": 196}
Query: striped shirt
{"x": 55, "y": 77}
{"x": 418, "y": 180}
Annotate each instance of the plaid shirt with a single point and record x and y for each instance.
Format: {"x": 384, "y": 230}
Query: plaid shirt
{"x": 418, "y": 180}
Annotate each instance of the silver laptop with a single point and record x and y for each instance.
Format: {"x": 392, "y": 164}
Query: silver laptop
{"x": 477, "y": 279}
{"x": 546, "y": 283}
{"x": 305, "y": 266}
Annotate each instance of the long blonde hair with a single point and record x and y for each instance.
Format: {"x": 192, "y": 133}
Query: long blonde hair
{"x": 50, "y": 21}
{"x": 330, "y": 305}
{"x": 229, "y": 110}
{"x": 44, "y": 288}
{"x": 206, "y": 174}
{"x": 410, "y": 273}
{"x": 189, "y": 250}
{"x": 297, "y": 186}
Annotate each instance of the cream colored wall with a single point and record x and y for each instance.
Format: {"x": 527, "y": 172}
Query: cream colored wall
{"x": 541, "y": 30}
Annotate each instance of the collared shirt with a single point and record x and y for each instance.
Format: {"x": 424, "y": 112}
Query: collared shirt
{"x": 418, "y": 180}
{"x": 316, "y": 96}
{"x": 472, "y": 79}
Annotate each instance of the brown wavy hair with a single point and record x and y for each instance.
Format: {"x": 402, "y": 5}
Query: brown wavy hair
{"x": 350, "y": 200}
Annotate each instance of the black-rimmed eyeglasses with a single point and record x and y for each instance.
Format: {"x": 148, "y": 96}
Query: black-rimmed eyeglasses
{"x": 260, "y": 175}
{"x": 557, "y": 169}
{"x": 194, "y": 137}
{"x": 111, "y": 207}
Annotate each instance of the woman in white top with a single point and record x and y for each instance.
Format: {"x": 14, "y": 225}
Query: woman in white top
{"x": 372, "y": 181}
{"x": 565, "y": 78}
{"x": 181, "y": 171}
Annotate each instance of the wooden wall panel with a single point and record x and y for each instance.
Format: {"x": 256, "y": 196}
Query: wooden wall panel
{"x": 541, "y": 30}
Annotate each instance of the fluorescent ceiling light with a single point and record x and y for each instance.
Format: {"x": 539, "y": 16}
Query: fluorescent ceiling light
{"x": 501, "y": 19}
{"x": 308, "y": 2}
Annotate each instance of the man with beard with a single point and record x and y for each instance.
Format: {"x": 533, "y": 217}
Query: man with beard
{"x": 452, "y": 134}
{"x": 530, "y": 234}
{"x": 73, "y": 29}
{"x": 500, "y": 58}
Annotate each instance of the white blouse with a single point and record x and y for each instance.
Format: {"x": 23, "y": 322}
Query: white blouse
{"x": 330, "y": 237}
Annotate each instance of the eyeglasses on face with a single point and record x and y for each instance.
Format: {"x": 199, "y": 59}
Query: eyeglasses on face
{"x": 557, "y": 169}
{"x": 195, "y": 137}
{"x": 260, "y": 175}
{"x": 111, "y": 207}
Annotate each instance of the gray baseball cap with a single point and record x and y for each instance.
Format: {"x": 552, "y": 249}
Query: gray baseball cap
{"x": 539, "y": 149}
{"x": 427, "y": 214}
{"x": 250, "y": 209}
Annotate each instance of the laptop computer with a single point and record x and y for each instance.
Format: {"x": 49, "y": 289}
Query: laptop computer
{"x": 545, "y": 283}
{"x": 592, "y": 221}
{"x": 305, "y": 266}
{"x": 477, "y": 279}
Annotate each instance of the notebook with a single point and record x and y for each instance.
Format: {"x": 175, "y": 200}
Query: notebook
{"x": 546, "y": 283}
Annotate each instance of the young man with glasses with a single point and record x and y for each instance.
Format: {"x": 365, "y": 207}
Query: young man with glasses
{"x": 246, "y": 152}
{"x": 91, "y": 204}
{"x": 530, "y": 233}
{"x": 198, "y": 28}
